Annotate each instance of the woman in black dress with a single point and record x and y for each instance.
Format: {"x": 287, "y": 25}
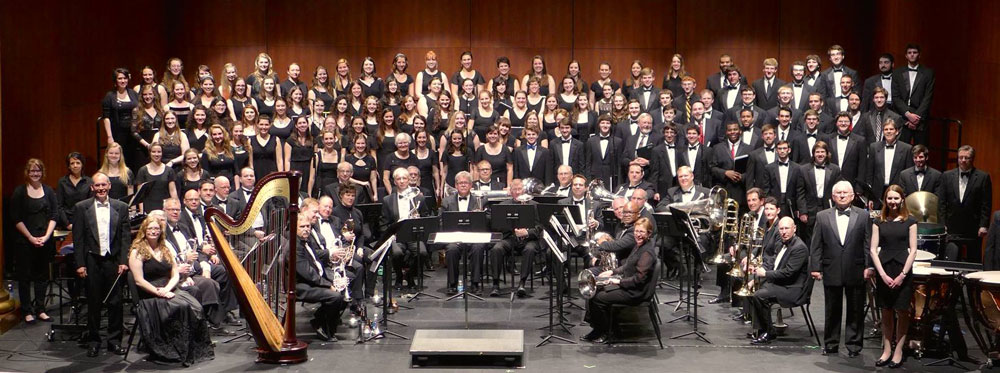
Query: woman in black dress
{"x": 206, "y": 93}
{"x": 266, "y": 150}
{"x": 896, "y": 232}
{"x": 281, "y": 123}
{"x": 420, "y": 124}
{"x": 219, "y": 113}
{"x": 172, "y": 140}
{"x": 146, "y": 121}
{"x": 568, "y": 92}
{"x": 229, "y": 76}
{"x": 162, "y": 179}
{"x": 546, "y": 83}
{"x": 299, "y": 151}
{"x": 408, "y": 110}
{"x": 117, "y": 109}
{"x": 584, "y": 119}
{"x": 296, "y": 101}
{"x": 171, "y": 320}
{"x": 466, "y": 72}
{"x": 440, "y": 114}
{"x": 427, "y": 161}
{"x": 456, "y": 158}
{"x": 393, "y": 99}
{"x": 321, "y": 89}
{"x": 326, "y": 160}
{"x": 71, "y": 188}
{"x": 218, "y": 159}
{"x": 597, "y": 87}
{"x": 191, "y": 175}
{"x": 357, "y": 128}
{"x": 342, "y": 81}
{"x": 403, "y": 79}
{"x": 119, "y": 175}
{"x": 266, "y": 98}
{"x": 386, "y": 134}
{"x": 502, "y": 101}
{"x": 498, "y": 155}
{"x": 505, "y": 138}
{"x": 466, "y": 96}
{"x": 535, "y": 100}
{"x": 360, "y": 157}
{"x": 548, "y": 116}
{"x": 240, "y": 146}
{"x": 503, "y": 73}
{"x": 605, "y": 102}
{"x": 431, "y": 99}
{"x": 239, "y": 100}
{"x": 159, "y": 90}
{"x": 33, "y": 209}
{"x": 179, "y": 104}
{"x": 400, "y": 157}
{"x": 672, "y": 79}
{"x": 371, "y": 84}
{"x": 519, "y": 111}
{"x": 196, "y": 129}
{"x": 430, "y": 71}
{"x": 632, "y": 82}
{"x": 356, "y": 104}
{"x": 339, "y": 112}
{"x": 484, "y": 116}
{"x": 459, "y": 124}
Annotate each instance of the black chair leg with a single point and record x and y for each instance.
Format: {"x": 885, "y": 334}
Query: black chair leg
{"x": 131, "y": 335}
{"x": 654, "y": 315}
{"x": 811, "y": 323}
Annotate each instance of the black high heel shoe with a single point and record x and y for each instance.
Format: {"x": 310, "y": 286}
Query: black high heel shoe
{"x": 894, "y": 365}
{"x": 882, "y": 363}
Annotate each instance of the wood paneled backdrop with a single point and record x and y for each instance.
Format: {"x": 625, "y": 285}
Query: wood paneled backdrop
{"x": 57, "y": 58}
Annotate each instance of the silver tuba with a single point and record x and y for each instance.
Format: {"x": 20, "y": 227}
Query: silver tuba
{"x": 589, "y": 284}
{"x": 598, "y": 192}
{"x": 533, "y": 186}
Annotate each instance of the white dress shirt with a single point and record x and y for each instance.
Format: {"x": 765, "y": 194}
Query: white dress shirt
{"x": 963, "y": 182}
{"x": 783, "y": 175}
{"x": 531, "y": 157}
{"x": 781, "y": 254}
{"x": 603, "y": 141}
{"x": 913, "y": 77}
{"x": 403, "y": 208}
{"x": 692, "y": 156}
{"x": 565, "y": 150}
{"x": 842, "y": 222}
{"x": 820, "y": 181}
{"x": 888, "y": 156}
{"x": 463, "y": 204}
{"x": 103, "y": 212}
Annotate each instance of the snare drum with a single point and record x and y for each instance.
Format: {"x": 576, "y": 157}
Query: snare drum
{"x": 931, "y": 237}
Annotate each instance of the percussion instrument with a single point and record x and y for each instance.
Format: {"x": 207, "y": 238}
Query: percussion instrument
{"x": 984, "y": 290}
{"x": 931, "y": 237}
{"x": 924, "y": 256}
{"x": 932, "y": 292}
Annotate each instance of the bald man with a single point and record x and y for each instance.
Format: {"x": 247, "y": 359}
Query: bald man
{"x": 784, "y": 279}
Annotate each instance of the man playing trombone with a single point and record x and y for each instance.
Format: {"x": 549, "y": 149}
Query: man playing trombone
{"x": 782, "y": 278}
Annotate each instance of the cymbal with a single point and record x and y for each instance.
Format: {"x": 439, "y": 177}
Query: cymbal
{"x": 923, "y": 206}
{"x": 60, "y": 233}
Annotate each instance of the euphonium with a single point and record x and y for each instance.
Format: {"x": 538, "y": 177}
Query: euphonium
{"x": 589, "y": 284}
{"x": 340, "y": 280}
{"x": 756, "y": 244}
{"x": 742, "y": 243}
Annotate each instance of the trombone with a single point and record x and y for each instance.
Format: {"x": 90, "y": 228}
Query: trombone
{"x": 756, "y": 244}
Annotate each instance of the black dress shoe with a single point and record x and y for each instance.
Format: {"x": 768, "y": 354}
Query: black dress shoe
{"x": 718, "y": 300}
{"x": 317, "y": 326}
{"x": 881, "y": 363}
{"x": 116, "y": 349}
{"x": 452, "y": 290}
{"x": 764, "y": 339}
{"x": 853, "y": 353}
{"x": 233, "y": 321}
{"x": 521, "y": 292}
{"x": 590, "y": 337}
{"x": 739, "y": 317}
{"x": 93, "y": 351}
{"x": 894, "y": 365}
{"x": 495, "y": 292}
{"x": 603, "y": 339}
{"x": 829, "y": 351}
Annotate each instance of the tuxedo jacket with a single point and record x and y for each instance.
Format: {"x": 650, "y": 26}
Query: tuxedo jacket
{"x": 623, "y": 129}
{"x": 755, "y": 170}
{"x": 494, "y": 185}
{"x": 868, "y": 90}
{"x": 723, "y": 161}
{"x": 801, "y": 151}
{"x": 629, "y": 152}
{"x": 701, "y": 163}
{"x": 390, "y": 210}
{"x": 755, "y": 138}
{"x": 827, "y": 122}
{"x": 675, "y": 194}
{"x": 644, "y": 185}
{"x": 842, "y": 263}
{"x": 766, "y": 99}
{"x": 86, "y": 234}
{"x": 646, "y": 105}
{"x": 665, "y": 174}
{"x": 918, "y": 100}
{"x": 659, "y": 121}
{"x": 733, "y": 115}
{"x": 818, "y": 85}
{"x": 575, "y": 154}
{"x": 589, "y": 207}
{"x": 831, "y": 85}
{"x": 306, "y": 271}
{"x": 362, "y": 232}
{"x": 967, "y": 215}
{"x": 852, "y": 162}
{"x": 542, "y": 170}
{"x": 788, "y": 281}
{"x": 796, "y": 123}
{"x": 722, "y": 104}
{"x": 713, "y": 131}
{"x": 866, "y": 125}
{"x": 931, "y": 183}
{"x": 787, "y": 201}
{"x": 239, "y": 201}
{"x": 361, "y": 195}
{"x": 186, "y": 220}
{"x": 450, "y": 203}
{"x": 809, "y": 202}
{"x": 902, "y": 159}
{"x": 715, "y": 83}
{"x": 803, "y": 103}
{"x": 680, "y": 109}
{"x": 231, "y": 207}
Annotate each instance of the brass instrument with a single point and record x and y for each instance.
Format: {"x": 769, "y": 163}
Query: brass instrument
{"x": 597, "y": 192}
{"x": 415, "y": 197}
{"x": 589, "y": 284}
{"x": 340, "y": 280}
{"x": 532, "y": 186}
{"x": 755, "y": 244}
{"x": 742, "y": 242}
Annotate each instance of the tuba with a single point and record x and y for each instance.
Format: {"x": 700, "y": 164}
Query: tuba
{"x": 598, "y": 192}
{"x": 533, "y": 186}
{"x": 589, "y": 284}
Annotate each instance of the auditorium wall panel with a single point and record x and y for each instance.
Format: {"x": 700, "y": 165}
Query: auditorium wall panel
{"x": 621, "y": 32}
{"x": 520, "y": 29}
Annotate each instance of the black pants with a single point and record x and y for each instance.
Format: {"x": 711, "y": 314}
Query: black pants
{"x": 331, "y": 307}
{"x": 227, "y": 297}
{"x": 511, "y": 246}
{"x": 760, "y": 309}
{"x": 405, "y": 255}
{"x": 32, "y": 274}
{"x": 917, "y": 136}
{"x": 101, "y": 274}
{"x": 834, "y": 298}
{"x": 599, "y": 307}
{"x": 454, "y": 255}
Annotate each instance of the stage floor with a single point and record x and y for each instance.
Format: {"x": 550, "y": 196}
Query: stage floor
{"x": 27, "y": 349}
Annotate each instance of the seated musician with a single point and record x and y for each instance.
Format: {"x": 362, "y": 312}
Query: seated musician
{"x": 485, "y": 181}
{"x": 463, "y": 202}
{"x": 624, "y": 241}
{"x": 685, "y": 191}
{"x": 632, "y": 287}
{"x": 314, "y": 283}
{"x": 202, "y": 287}
{"x": 783, "y": 280}
{"x": 345, "y": 171}
{"x": 564, "y": 181}
{"x": 636, "y": 182}
{"x": 588, "y": 210}
{"x": 346, "y": 212}
{"x": 429, "y": 198}
{"x": 520, "y": 240}
{"x": 396, "y": 207}
{"x": 192, "y": 217}
{"x": 170, "y": 319}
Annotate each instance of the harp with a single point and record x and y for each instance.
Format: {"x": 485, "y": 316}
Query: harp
{"x": 261, "y": 269}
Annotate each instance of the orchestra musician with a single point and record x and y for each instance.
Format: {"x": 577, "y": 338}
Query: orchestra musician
{"x": 519, "y": 240}
{"x": 636, "y": 272}
{"x": 314, "y": 284}
{"x": 588, "y": 210}
{"x": 965, "y": 205}
{"x": 194, "y": 279}
{"x": 395, "y": 207}
{"x": 783, "y": 277}
{"x": 462, "y": 201}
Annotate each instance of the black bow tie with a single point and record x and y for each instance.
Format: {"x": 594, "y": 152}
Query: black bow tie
{"x": 843, "y": 137}
{"x": 771, "y": 149}
{"x": 797, "y": 85}
{"x": 563, "y": 188}
{"x": 689, "y": 191}
{"x": 843, "y": 97}
{"x": 810, "y": 134}
{"x": 782, "y": 164}
{"x": 747, "y": 107}
{"x": 580, "y": 202}
{"x": 890, "y": 146}
{"x": 887, "y": 77}
{"x": 911, "y": 69}
{"x": 819, "y": 166}
{"x": 669, "y": 146}
{"x": 730, "y": 86}
{"x": 919, "y": 172}
{"x": 630, "y": 187}
{"x": 567, "y": 141}
{"x": 844, "y": 212}
{"x": 693, "y": 147}
{"x": 633, "y": 121}
{"x": 647, "y": 89}
{"x": 466, "y": 198}
{"x": 965, "y": 174}
{"x": 838, "y": 69}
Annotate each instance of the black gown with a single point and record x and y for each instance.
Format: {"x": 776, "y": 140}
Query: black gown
{"x": 426, "y": 166}
{"x": 456, "y": 164}
{"x": 264, "y": 161}
{"x": 195, "y": 141}
{"x": 282, "y": 132}
{"x": 481, "y": 123}
{"x": 150, "y": 126}
{"x": 119, "y": 190}
{"x": 326, "y": 174}
{"x": 174, "y": 329}
{"x": 894, "y": 237}
{"x": 32, "y": 263}
{"x": 159, "y": 189}
{"x": 222, "y": 165}
{"x": 300, "y": 159}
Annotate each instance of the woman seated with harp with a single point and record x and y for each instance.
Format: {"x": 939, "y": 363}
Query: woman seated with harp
{"x": 628, "y": 284}
{"x": 170, "y": 319}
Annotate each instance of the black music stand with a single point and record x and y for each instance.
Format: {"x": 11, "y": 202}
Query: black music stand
{"x": 140, "y": 194}
{"x": 507, "y": 217}
{"x": 371, "y": 212}
{"x": 689, "y": 241}
{"x": 556, "y": 308}
{"x": 382, "y": 251}
{"x": 473, "y": 221}
{"x": 418, "y": 230}
{"x": 666, "y": 226}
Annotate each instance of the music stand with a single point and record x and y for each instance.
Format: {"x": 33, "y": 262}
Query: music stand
{"x": 556, "y": 307}
{"x": 666, "y": 227}
{"x": 548, "y": 199}
{"x": 139, "y": 196}
{"x": 506, "y": 217}
{"x": 474, "y": 221}
{"x": 377, "y": 257}
{"x": 689, "y": 241}
{"x": 417, "y": 230}
{"x": 371, "y": 212}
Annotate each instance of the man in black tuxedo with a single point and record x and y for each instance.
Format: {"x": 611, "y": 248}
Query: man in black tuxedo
{"x": 842, "y": 260}
{"x": 519, "y": 240}
{"x": 532, "y": 160}
{"x": 647, "y": 95}
{"x": 630, "y": 125}
{"x": 881, "y": 80}
{"x": 685, "y": 191}
{"x": 746, "y": 102}
{"x": 665, "y": 113}
{"x": 784, "y": 279}
{"x": 707, "y": 97}
{"x": 810, "y": 135}
{"x": 346, "y": 212}
{"x": 102, "y": 238}
{"x": 682, "y": 104}
{"x": 886, "y": 161}
{"x": 221, "y": 199}
{"x": 841, "y": 103}
{"x": 827, "y": 125}
{"x": 241, "y": 195}
{"x": 814, "y": 78}
{"x": 761, "y": 157}
{"x": 781, "y": 180}
{"x": 397, "y": 207}
{"x": 314, "y": 284}
{"x": 767, "y": 86}
{"x": 462, "y": 201}
{"x": 567, "y": 150}
{"x": 848, "y": 151}
{"x": 564, "y": 181}
{"x": 965, "y": 202}
{"x": 202, "y": 287}
{"x": 711, "y": 128}
{"x": 796, "y": 139}
{"x": 870, "y": 125}
{"x": 717, "y": 81}
{"x": 640, "y": 144}
{"x": 837, "y": 70}
{"x": 912, "y": 95}
{"x": 344, "y": 173}
{"x": 696, "y": 157}
{"x": 784, "y": 101}
{"x": 486, "y": 181}
{"x": 815, "y": 187}
{"x": 729, "y": 96}
{"x": 800, "y": 89}
{"x": 749, "y": 134}
{"x": 601, "y": 152}
{"x": 723, "y": 164}
{"x": 921, "y": 177}
{"x": 589, "y": 214}
{"x": 636, "y": 182}
{"x": 666, "y": 158}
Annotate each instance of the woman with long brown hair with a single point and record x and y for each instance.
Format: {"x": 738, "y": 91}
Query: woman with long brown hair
{"x": 218, "y": 159}
{"x": 162, "y": 179}
{"x": 545, "y": 81}
{"x": 174, "y": 73}
{"x": 342, "y": 80}
{"x": 179, "y": 104}
{"x": 676, "y": 72}
{"x": 191, "y": 174}
{"x": 299, "y": 151}
{"x": 197, "y": 128}
{"x": 321, "y": 89}
{"x": 326, "y": 160}
{"x": 172, "y": 140}
{"x": 148, "y": 76}
{"x": 146, "y": 121}
{"x": 238, "y": 101}
{"x": 117, "y": 108}
{"x": 465, "y": 71}
{"x": 255, "y": 81}
{"x": 894, "y": 244}
{"x": 399, "y": 74}
{"x": 229, "y": 77}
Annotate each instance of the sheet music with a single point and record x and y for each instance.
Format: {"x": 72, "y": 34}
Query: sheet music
{"x": 552, "y": 246}
{"x": 463, "y": 237}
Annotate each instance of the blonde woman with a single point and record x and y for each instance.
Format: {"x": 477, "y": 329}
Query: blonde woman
{"x": 119, "y": 175}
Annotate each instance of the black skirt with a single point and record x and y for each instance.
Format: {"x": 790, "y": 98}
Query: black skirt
{"x": 896, "y": 299}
